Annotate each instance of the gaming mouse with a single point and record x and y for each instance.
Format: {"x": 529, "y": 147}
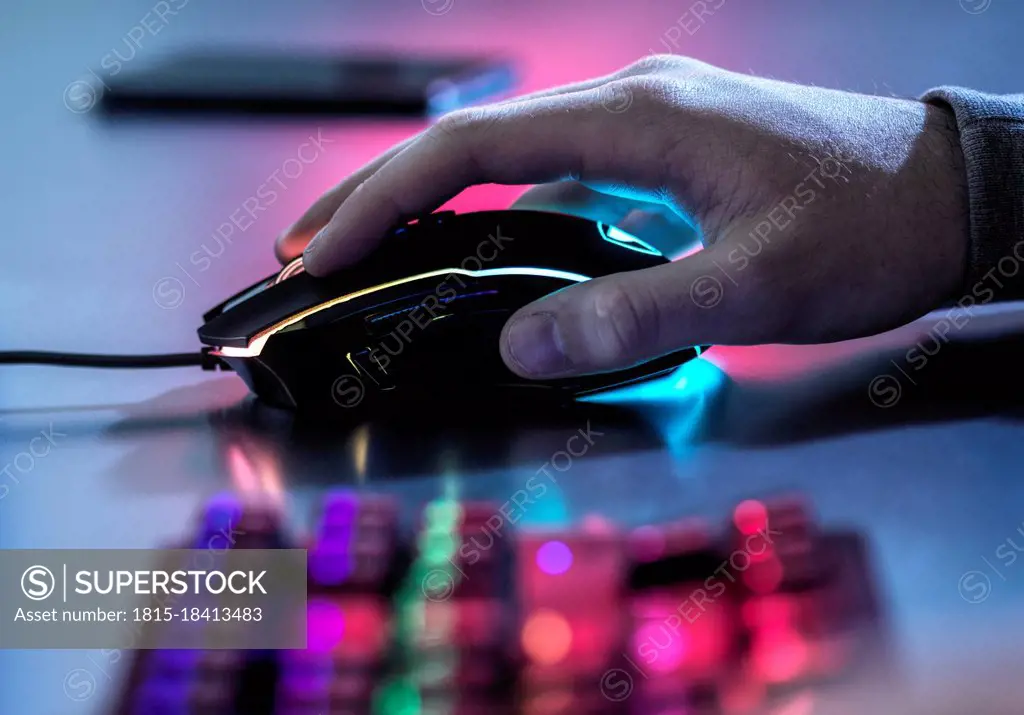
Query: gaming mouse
{"x": 421, "y": 316}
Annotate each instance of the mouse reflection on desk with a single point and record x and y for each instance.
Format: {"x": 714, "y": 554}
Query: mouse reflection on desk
{"x": 421, "y": 317}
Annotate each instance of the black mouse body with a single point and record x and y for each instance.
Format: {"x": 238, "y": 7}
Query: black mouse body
{"x": 420, "y": 318}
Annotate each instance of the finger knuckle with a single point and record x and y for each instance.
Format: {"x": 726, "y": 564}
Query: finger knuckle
{"x": 659, "y": 90}
{"x": 656, "y": 63}
{"x": 651, "y": 94}
{"x": 627, "y": 321}
{"x": 456, "y": 123}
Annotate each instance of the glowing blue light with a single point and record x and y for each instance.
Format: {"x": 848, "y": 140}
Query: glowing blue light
{"x": 447, "y": 96}
{"x": 692, "y": 381}
{"x": 679, "y": 404}
{"x": 614, "y": 234}
{"x": 549, "y": 511}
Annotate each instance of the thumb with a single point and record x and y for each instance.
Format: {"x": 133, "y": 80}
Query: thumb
{"x": 621, "y": 320}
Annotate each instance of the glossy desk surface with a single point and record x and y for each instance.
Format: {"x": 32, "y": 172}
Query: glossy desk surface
{"x": 99, "y": 215}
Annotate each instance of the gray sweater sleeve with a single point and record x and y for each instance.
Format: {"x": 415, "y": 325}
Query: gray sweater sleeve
{"x": 992, "y": 136}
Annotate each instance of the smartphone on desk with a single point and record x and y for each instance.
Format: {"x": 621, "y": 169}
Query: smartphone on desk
{"x": 357, "y": 85}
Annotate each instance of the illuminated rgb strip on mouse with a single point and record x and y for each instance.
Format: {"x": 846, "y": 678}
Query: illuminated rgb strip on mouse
{"x": 614, "y": 234}
{"x": 292, "y": 269}
{"x": 257, "y": 344}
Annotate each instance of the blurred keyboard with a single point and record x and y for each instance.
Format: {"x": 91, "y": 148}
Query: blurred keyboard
{"x": 457, "y": 614}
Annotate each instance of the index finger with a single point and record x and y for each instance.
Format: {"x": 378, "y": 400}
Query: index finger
{"x": 565, "y": 136}
{"x": 293, "y": 240}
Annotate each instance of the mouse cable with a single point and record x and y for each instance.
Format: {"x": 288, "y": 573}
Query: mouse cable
{"x": 34, "y": 357}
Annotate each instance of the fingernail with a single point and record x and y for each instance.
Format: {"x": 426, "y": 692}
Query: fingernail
{"x": 534, "y": 343}
{"x": 313, "y": 247}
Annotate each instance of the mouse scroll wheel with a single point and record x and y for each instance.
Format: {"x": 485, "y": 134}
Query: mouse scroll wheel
{"x": 292, "y": 269}
{"x": 431, "y": 219}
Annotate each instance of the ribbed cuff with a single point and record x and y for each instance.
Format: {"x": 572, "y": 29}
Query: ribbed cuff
{"x": 992, "y": 136}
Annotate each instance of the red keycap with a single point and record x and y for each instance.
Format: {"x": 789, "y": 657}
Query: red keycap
{"x": 674, "y": 640}
{"x": 574, "y": 622}
{"x": 774, "y": 546}
{"x": 792, "y": 638}
{"x": 683, "y": 610}
{"x": 577, "y": 570}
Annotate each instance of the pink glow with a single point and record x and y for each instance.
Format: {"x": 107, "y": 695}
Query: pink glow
{"x": 325, "y": 625}
{"x": 659, "y": 647}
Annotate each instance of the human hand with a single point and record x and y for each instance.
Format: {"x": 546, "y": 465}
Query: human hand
{"x": 825, "y": 215}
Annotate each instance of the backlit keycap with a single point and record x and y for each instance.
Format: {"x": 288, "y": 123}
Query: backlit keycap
{"x": 354, "y": 545}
